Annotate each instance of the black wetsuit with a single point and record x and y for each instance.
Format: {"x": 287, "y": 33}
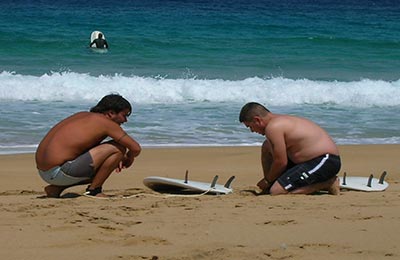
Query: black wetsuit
{"x": 100, "y": 43}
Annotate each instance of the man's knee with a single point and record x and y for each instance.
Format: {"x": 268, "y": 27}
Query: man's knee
{"x": 266, "y": 151}
{"x": 118, "y": 147}
{"x": 277, "y": 189}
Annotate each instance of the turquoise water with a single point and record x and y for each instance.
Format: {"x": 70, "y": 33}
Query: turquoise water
{"x": 189, "y": 66}
{"x": 322, "y": 40}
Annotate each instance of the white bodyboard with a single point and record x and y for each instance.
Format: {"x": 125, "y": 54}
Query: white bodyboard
{"x": 171, "y": 185}
{"x": 364, "y": 183}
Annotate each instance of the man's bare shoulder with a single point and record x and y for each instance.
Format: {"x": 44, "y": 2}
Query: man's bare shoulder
{"x": 88, "y": 115}
{"x": 288, "y": 119}
{"x": 278, "y": 121}
{"x": 287, "y": 124}
{"x": 85, "y": 118}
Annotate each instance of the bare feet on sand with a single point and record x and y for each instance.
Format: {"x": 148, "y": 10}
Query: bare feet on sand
{"x": 53, "y": 191}
{"x": 334, "y": 187}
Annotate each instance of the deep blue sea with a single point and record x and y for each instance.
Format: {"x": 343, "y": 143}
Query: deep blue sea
{"x": 189, "y": 66}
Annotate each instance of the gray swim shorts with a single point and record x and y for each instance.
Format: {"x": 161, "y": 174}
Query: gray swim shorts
{"x": 71, "y": 172}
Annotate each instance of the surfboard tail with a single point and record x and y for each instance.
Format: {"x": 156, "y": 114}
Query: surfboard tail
{"x": 364, "y": 183}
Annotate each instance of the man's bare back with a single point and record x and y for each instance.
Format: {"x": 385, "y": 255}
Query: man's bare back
{"x": 73, "y": 136}
{"x": 304, "y": 139}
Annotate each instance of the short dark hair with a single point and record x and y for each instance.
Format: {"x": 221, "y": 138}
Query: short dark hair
{"x": 250, "y": 110}
{"x": 113, "y": 102}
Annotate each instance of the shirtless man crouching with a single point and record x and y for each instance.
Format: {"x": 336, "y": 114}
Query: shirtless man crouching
{"x": 297, "y": 157}
{"x": 73, "y": 152}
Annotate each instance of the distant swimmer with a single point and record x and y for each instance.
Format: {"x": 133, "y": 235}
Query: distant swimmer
{"x": 100, "y": 42}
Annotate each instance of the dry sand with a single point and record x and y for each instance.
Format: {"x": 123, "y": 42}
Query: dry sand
{"x": 353, "y": 225}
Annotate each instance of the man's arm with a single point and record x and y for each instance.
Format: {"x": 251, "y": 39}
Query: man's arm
{"x": 130, "y": 143}
{"x": 276, "y": 137}
{"x": 120, "y": 136}
{"x": 134, "y": 150}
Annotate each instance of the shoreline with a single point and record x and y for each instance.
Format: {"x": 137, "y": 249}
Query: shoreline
{"x": 353, "y": 225}
{"x": 180, "y": 146}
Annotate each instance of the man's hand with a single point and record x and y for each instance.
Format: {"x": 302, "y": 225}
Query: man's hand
{"x": 126, "y": 162}
{"x": 264, "y": 185}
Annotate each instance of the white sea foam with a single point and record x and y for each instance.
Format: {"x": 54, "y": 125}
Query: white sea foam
{"x": 70, "y": 86}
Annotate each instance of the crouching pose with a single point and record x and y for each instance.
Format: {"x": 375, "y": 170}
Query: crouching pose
{"x": 298, "y": 156}
{"x": 74, "y": 152}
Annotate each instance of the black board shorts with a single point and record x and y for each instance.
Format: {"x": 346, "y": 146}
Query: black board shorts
{"x": 317, "y": 170}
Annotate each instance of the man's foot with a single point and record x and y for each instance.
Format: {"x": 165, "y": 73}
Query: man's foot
{"x": 334, "y": 187}
{"x": 95, "y": 193}
{"x": 53, "y": 191}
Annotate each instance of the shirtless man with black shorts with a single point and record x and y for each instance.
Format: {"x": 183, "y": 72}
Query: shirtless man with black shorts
{"x": 73, "y": 152}
{"x": 297, "y": 157}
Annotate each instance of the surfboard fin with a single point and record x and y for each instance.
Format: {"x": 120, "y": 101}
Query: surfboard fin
{"x": 344, "y": 178}
{"x": 186, "y": 176}
{"x": 214, "y": 181}
{"x": 369, "y": 184}
{"x": 229, "y": 182}
{"x": 382, "y": 178}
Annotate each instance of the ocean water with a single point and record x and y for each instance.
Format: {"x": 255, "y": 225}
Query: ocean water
{"x": 189, "y": 66}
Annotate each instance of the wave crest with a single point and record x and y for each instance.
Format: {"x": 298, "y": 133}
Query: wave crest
{"x": 71, "y": 86}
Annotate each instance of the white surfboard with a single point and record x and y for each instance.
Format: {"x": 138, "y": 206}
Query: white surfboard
{"x": 364, "y": 183}
{"x": 170, "y": 185}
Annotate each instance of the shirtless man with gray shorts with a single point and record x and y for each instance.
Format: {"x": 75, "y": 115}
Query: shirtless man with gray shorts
{"x": 73, "y": 152}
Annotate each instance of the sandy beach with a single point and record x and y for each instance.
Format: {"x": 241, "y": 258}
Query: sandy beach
{"x": 353, "y": 225}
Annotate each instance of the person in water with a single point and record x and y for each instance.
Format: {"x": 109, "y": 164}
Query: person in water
{"x": 100, "y": 42}
{"x": 297, "y": 156}
{"x": 74, "y": 152}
